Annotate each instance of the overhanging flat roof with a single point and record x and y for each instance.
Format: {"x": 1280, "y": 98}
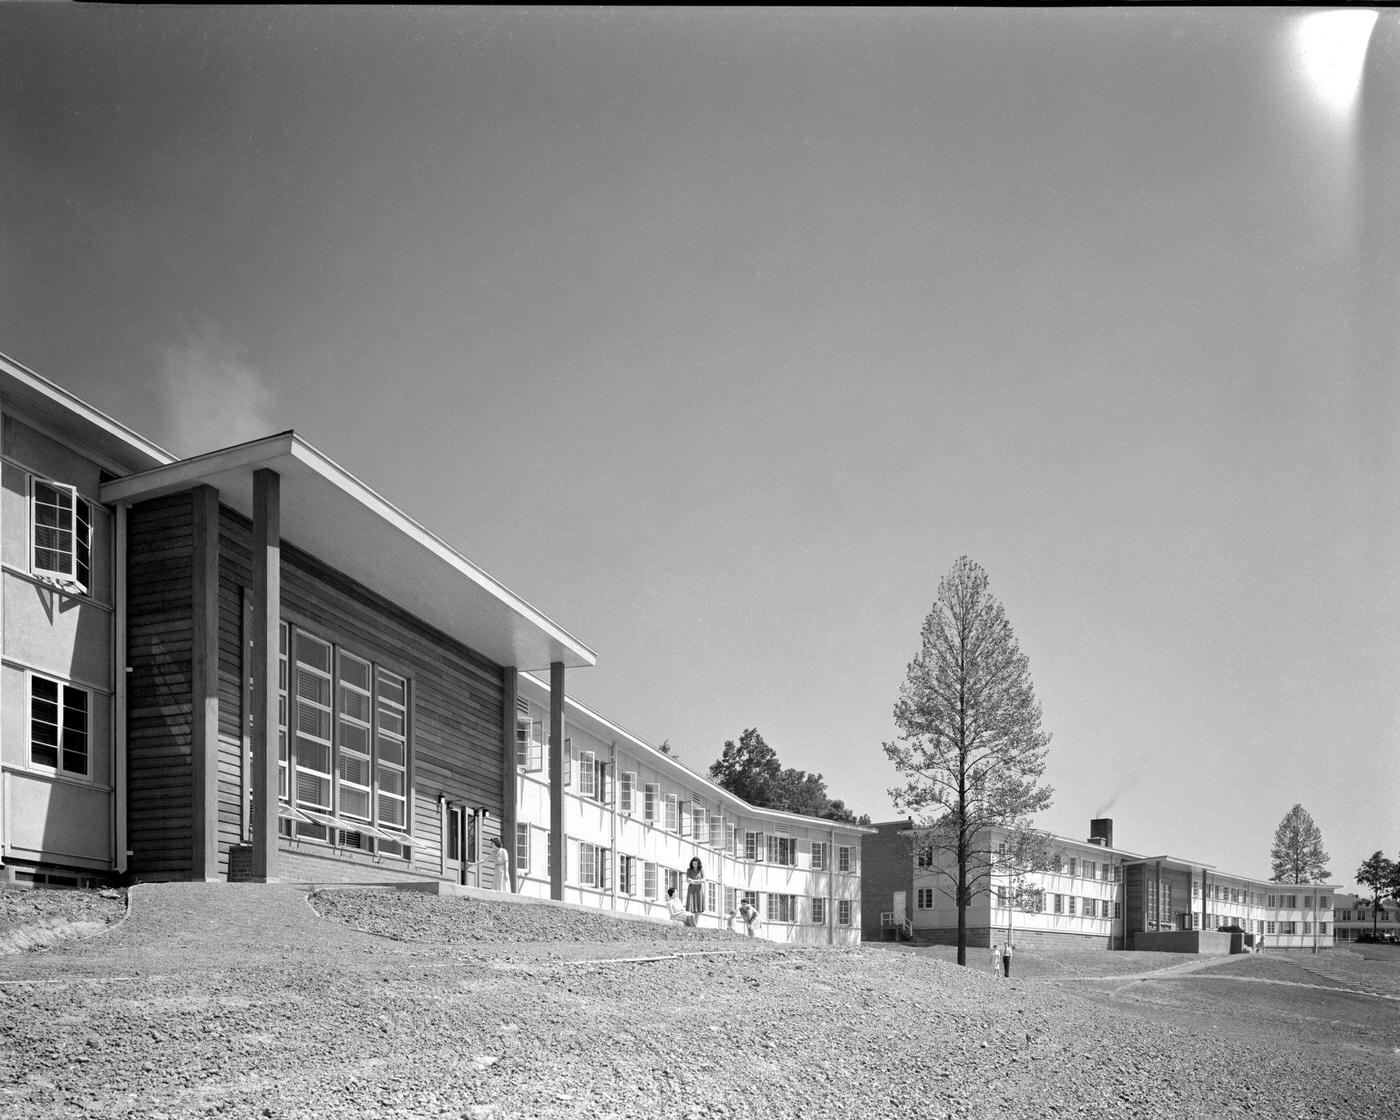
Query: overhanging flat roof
{"x": 330, "y": 514}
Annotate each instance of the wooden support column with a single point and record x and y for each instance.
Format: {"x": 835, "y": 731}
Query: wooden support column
{"x": 509, "y": 808}
{"x": 1205, "y": 897}
{"x": 267, "y": 614}
{"x": 204, "y": 686}
{"x": 556, "y": 781}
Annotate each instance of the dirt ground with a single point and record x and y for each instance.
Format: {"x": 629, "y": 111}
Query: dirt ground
{"x": 214, "y": 1000}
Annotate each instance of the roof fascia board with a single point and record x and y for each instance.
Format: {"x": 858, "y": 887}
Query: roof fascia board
{"x": 38, "y": 383}
{"x": 190, "y": 472}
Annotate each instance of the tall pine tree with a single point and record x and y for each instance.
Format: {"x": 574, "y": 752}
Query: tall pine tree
{"x": 1298, "y": 855}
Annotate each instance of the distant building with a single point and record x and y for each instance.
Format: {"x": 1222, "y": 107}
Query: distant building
{"x": 1099, "y": 896}
{"x": 1357, "y": 918}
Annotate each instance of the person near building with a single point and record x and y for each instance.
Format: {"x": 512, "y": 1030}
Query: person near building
{"x": 748, "y": 914}
{"x": 996, "y": 960}
{"x": 1006, "y": 958}
{"x": 502, "y": 865}
{"x": 678, "y": 912}
{"x": 695, "y": 887}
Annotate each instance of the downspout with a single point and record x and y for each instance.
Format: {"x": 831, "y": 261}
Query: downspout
{"x": 612, "y": 820}
{"x": 831, "y": 887}
{"x": 121, "y": 669}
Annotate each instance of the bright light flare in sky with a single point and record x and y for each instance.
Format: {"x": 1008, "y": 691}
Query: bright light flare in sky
{"x": 1332, "y": 54}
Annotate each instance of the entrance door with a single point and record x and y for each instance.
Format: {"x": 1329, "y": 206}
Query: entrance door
{"x": 454, "y": 857}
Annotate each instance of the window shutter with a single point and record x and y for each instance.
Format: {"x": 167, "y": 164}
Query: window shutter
{"x": 685, "y": 818}
{"x": 760, "y": 850}
{"x": 568, "y": 760}
{"x": 604, "y": 868}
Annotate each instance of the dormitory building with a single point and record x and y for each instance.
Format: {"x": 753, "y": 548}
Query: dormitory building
{"x": 1094, "y": 895}
{"x": 247, "y": 665}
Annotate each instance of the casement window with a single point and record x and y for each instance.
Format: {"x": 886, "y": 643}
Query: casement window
{"x": 649, "y": 880}
{"x": 626, "y": 874}
{"x": 753, "y": 845}
{"x": 588, "y": 865}
{"x": 751, "y": 897}
{"x": 1001, "y": 896}
{"x": 651, "y": 799}
{"x": 675, "y": 881}
{"x": 1070, "y": 903}
{"x": 1288, "y": 927}
{"x": 568, "y": 761}
{"x": 819, "y": 911}
{"x": 1307, "y": 927}
{"x": 782, "y": 908}
{"x": 925, "y": 898}
{"x": 782, "y": 850}
{"x": 283, "y": 754}
{"x": 346, "y": 756}
{"x": 1272, "y": 903}
{"x": 522, "y": 848}
{"x": 60, "y": 718}
{"x": 685, "y": 818}
{"x": 730, "y": 902}
{"x": 587, "y": 772}
{"x": 627, "y": 786}
{"x": 673, "y": 815}
{"x": 1092, "y": 871}
{"x": 1270, "y": 927}
{"x": 711, "y": 898}
{"x": 61, "y": 532}
{"x": 1325, "y": 903}
{"x": 1290, "y": 902}
{"x": 845, "y": 858}
{"x": 1322, "y": 929}
{"x": 1059, "y": 903}
{"x": 819, "y": 858}
{"x": 843, "y": 912}
{"x": 1074, "y": 865}
{"x": 1117, "y": 909}
{"x": 1307, "y": 902}
{"x": 924, "y": 857}
{"x": 700, "y": 823}
{"x": 735, "y": 840}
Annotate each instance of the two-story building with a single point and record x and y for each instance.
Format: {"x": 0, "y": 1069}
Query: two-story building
{"x": 1093, "y": 894}
{"x": 632, "y": 817}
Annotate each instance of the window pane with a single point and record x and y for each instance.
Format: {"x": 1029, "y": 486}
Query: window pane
{"x": 313, "y": 791}
{"x": 313, "y": 755}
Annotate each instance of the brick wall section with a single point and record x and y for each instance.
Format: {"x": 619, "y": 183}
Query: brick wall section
{"x": 310, "y": 864}
{"x": 886, "y": 866}
{"x": 981, "y": 937}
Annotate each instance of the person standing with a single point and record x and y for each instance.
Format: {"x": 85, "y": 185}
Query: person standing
{"x": 1006, "y": 958}
{"x": 748, "y": 914}
{"x": 996, "y": 960}
{"x": 695, "y": 889}
{"x": 502, "y": 866}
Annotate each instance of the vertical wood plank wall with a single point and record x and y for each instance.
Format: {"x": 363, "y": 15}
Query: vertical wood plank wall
{"x": 160, "y": 632}
{"x": 457, "y": 696}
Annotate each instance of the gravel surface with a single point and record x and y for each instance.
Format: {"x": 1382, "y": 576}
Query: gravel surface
{"x": 250, "y": 1001}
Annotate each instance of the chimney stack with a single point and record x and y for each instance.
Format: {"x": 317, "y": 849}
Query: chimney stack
{"x": 1101, "y": 831}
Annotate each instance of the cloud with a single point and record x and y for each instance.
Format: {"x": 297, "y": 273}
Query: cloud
{"x": 210, "y": 397}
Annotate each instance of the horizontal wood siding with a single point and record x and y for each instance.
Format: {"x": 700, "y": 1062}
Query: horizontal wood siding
{"x": 456, "y": 695}
{"x": 160, "y": 625}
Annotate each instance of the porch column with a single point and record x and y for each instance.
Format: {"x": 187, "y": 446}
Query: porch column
{"x": 556, "y": 781}
{"x": 1157, "y": 899}
{"x": 267, "y": 612}
{"x": 1205, "y": 900}
{"x": 204, "y": 674}
{"x": 509, "y": 689}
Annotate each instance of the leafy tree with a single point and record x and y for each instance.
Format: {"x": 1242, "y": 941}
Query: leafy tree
{"x": 1380, "y": 875}
{"x": 971, "y": 746}
{"x": 1298, "y": 855}
{"x": 750, "y": 769}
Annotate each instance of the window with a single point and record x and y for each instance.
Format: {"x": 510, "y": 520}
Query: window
{"x": 1117, "y": 909}
{"x": 711, "y": 898}
{"x": 1307, "y": 902}
{"x": 1307, "y": 927}
{"x": 1270, "y": 926}
{"x": 1074, "y": 865}
{"x": 1059, "y": 903}
{"x": 522, "y": 848}
{"x": 1287, "y": 927}
{"x": 819, "y": 911}
{"x": 588, "y": 865}
{"x": 782, "y": 850}
{"x": 924, "y": 858}
{"x": 626, "y": 791}
{"x": 819, "y": 855}
{"x": 59, "y": 725}
{"x": 782, "y": 908}
{"x": 1322, "y": 928}
{"x": 843, "y": 857}
{"x": 925, "y": 898}
{"x": 587, "y": 772}
{"x": 753, "y": 845}
{"x": 1070, "y": 900}
{"x": 627, "y": 874}
{"x": 1325, "y": 903}
{"x": 651, "y": 799}
{"x": 61, "y": 532}
{"x": 1290, "y": 902}
{"x": 673, "y": 816}
{"x": 346, "y": 724}
{"x": 649, "y": 880}
{"x": 843, "y": 912}
{"x": 529, "y": 738}
{"x": 675, "y": 881}
{"x": 1001, "y": 896}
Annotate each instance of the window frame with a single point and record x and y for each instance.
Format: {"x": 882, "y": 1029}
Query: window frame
{"x": 61, "y": 727}
{"x": 77, "y": 550}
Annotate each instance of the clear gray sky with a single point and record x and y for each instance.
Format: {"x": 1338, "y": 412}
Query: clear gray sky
{"x": 719, "y": 336}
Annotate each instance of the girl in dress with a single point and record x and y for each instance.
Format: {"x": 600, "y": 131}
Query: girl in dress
{"x": 695, "y": 892}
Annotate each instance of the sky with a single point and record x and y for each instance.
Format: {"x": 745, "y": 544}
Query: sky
{"x": 719, "y": 336}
